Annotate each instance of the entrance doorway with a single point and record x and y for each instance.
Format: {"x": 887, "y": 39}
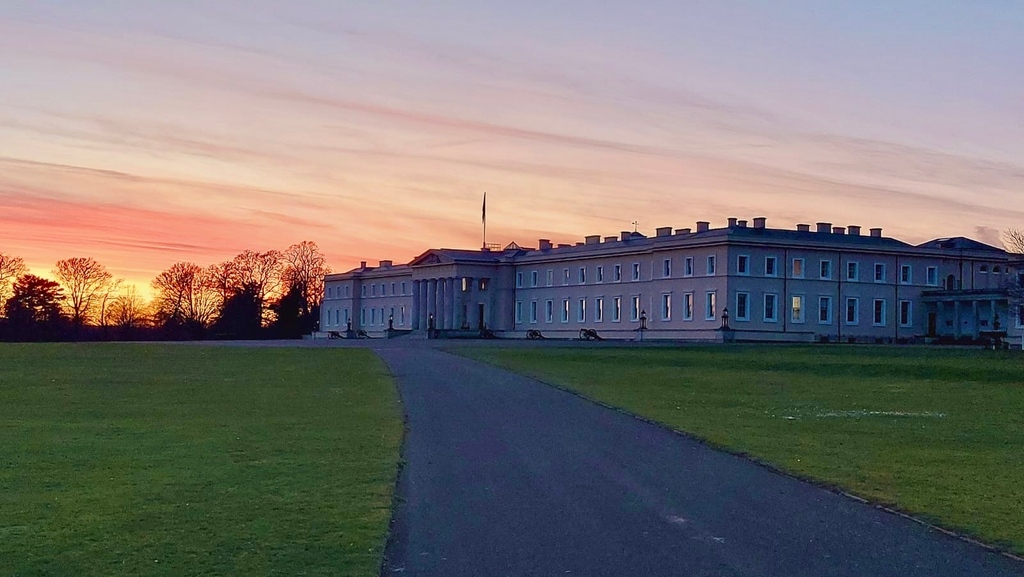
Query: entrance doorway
{"x": 932, "y": 323}
{"x": 480, "y": 317}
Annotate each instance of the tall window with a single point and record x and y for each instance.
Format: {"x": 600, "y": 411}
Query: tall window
{"x": 771, "y": 309}
{"x": 519, "y": 312}
{"x": 549, "y": 311}
{"x": 770, "y": 263}
{"x": 710, "y": 306}
{"x": 826, "y": 269}
{"x": 616, "y": 309}
{"x": 636, "y": 271}
{"x": 852, "y": 311}
{"x": 1020, "y": 316}
{"x": 401, "y": 318}
{"x": 600, "y": 274}
{"x": 796, "y": 308}
{"x": 581, "y": 311}
{"x": 825, "y": 310}
{"x": 905, "y": 314}
{"x": 565, "y": 276}
{"x": 617, "y": 273}
{"x": 533, "y": 278}
{"x": 742, "y": 264}
{"x": 666, "y": 268}
{"x": 711, "y": 265}
{"x": 688, "y": 266}
{"x": 879, "y": 272}
{"x": 583, "y": 275}
{"x": 688, "y": 307}
{"x": 565, "y": 310}
{"x": 599, "y": 309}
{"x": 550, "y": 277}
{"x": 634, "y": 308}
{"x": 906, "y": 275}
{"x": 533, "y": 311}
{"x": 666, "y": 307}
{"x": 879, "y": 313}
{"x": 932, "y": 276}
{"x": 742, "y": 306}
{"x": 853, "y": 271}
{"x": 798, "y": 268}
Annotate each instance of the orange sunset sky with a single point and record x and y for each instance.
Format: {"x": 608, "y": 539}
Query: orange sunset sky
{"x": 146, "y": 133}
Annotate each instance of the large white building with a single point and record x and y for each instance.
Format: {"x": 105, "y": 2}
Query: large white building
{"x": 808, "y": 284}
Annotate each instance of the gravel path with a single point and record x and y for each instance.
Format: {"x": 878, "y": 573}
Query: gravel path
{"x": 507, "y": 476}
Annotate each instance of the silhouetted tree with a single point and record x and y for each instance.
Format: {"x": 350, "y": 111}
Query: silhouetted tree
{"x": 1013, "y": 240}
{"x": 11, "y": 267}
{"x": 128, "y": 310}
{"x": 242, "y": 315}
{"x": 304, "y": 270}
{"x": 86, "y": 281}
{"x": 184, "y": 298}
{"x": 34, "y": 309}
{"x": 259, "y": 275}
{"x": 291, "y": 321}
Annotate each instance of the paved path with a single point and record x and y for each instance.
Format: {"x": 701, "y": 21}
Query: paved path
{"x": 507, "y": 476}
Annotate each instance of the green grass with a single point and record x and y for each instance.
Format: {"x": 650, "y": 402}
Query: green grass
{"x": 181, "y": 460}
{"x": 830, "y": 413}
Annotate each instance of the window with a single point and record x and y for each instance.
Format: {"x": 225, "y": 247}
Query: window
{"x": 363, "y": 290}
{"x": 565, "y": 276}
{"x": 599, "y": 309}
{"x": 403, "y": 288}
{"x": 711, "y": 265}
{"x": 393, "y": 289}
{"x": 549, "y": 311}
{"x": 932, "y": 276}
{"x": 382, "y": 315}
{"x": 465, "y": 284}
{"x": 533, "y": 311}
{"x": 852, "y": 311}
{"x": 519, "y": 312}
{"x": 825, "y": 271}
{"x": 688, "y": 266}
{"x": 565, "y": 310}
{"x": 742, "y": 264}
{"x": 879, "y": 310}
{"x": 550, "y": 277}
{"x": 906, "y": 275}
{"x": 401, "y": 318}
{"x": 373, "y": 316}
{"x": 688, "y": 307}
{"x": 825, "y": 310}
{"x": 742, "y": 306}
{"x": 796, "y": 308}
{"x": 348, "y": 291}
{"x": 600, "y": 274}
{"x": 769, "y": 266}
{"x": 617, "y": 273}
{"x": 533, "y": 278}
{"x": 1020, "y": 316}
{"x": 483, "y": 284}
{"x": 983, "y": 269}
{"x": 666, "y": 307}
{"x": 853, "y": 271}
{"x": 666, "y": 268}
{"x": 798, "y": 268}
{"x": 362, "y": 316}
{"x": 582, "y": 277}
{"x": 771, "y": 314}
{"x": 519, "y": 280}
{"x": 710, "y": 306}
{"x": 581, "y": 311}
{"x": 879, "y": 272}
{"x": 634, "y": 308}
{"x": 906, "y": 317}
{"x": 636, "y": 271}
{"x": 616, "y": 309}
{"x": 995, "y": 269}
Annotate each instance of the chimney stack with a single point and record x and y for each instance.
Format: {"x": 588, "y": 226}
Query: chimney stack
{"x": 741, "y": 223}
{"x": 624, "y": 235}
{"x": 593, "y": 239}
{"x": 611, "y": 238}
{"x": 385, "y": 264}
{"x": 825, "y": 227}
{"x": 544, "y": 244}
{"x": 876, "y": 232}
{"x": 803, "y": 228}
{"x": 732, "y": 222}
{"x": 854, "y": 230}
{"x": 362, "y": 264}
{"x": 703, "y": 226}
{"x": 663, "y": 231}
{"x": 838, "y": 230}
{"x": 760, "y": 222}
{"x": 683, "y": 231}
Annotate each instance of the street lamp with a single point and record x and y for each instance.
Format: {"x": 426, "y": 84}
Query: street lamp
{"x": 725, "y": 318}
{"x": 643, "y": 324}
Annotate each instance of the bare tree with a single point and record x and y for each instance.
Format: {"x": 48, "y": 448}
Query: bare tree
{"x": 304, "y": 269}
{"x": 85, "y": 281}
{"x": 258, "y": 274}
{"x": 110, "y": 294}
{"x": 128, "y": 309}
{"x": 184, "y": 295}
{"x": 11, "y": 267}
{"x": 223, "y": 280}
{"x": 1013, "y": 240}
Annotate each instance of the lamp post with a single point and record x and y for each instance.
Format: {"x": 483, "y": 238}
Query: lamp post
{"x": 725, "y": 318}
{"x": 391, "y": 321}
{"x": 643, "y": 324}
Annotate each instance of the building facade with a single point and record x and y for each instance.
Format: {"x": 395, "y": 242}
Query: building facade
{"x": 743, "y": 282}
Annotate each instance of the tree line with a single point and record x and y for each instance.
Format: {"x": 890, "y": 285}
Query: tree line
{"x": 272, "y": 294}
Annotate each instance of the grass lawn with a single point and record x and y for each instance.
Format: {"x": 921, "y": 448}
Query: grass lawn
{"x": 937, "y": 432}
{"x": 181, "y": 460}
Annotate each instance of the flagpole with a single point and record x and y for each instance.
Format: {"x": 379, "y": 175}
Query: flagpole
{"x": 483, "y": 216}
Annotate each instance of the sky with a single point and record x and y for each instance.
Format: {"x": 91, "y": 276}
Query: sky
{"x": 143, "y": 133}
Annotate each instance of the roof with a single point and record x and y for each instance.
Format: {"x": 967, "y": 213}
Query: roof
{"x": 960, "y": 243}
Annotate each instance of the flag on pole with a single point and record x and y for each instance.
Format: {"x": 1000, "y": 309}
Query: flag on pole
{"x": 483, "y": 210}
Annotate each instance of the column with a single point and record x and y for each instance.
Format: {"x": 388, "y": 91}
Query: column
{"x": 460, "y": 298}
{"x": 450, "y": 303}
{"x": 432, "y": 301}
{"x": 442, "y": 293}
{"x": 421, "y": 296}
{"x": 415, "y": 305}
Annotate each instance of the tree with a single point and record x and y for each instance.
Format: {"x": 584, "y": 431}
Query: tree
{"x": 258, "y": 274}
{"x": 304, "y": 270}
{"x": 127, "y": 310}
{"x": 241, "y": 316}
{"x": 86, "y": 282}
{"x": 184, "y": 297}
{"x": 11, "y": 267}
{"x": 1013, "y": 240}
{"x": 107, "y": 299}
{"x": 34, "y": 309}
